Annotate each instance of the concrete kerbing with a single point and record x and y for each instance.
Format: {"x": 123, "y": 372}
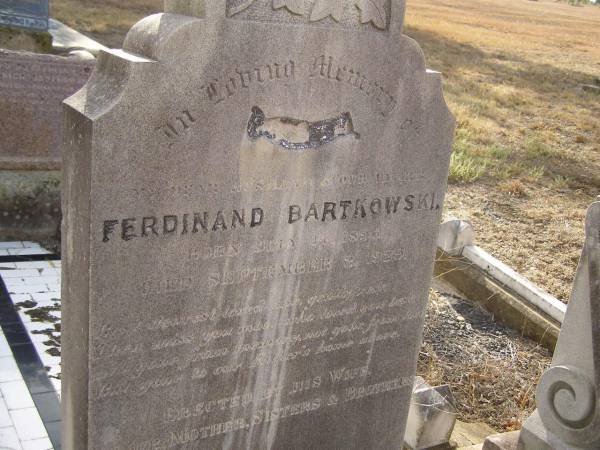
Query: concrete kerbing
{"x": 503, "y": 441}
{"x": 456, "y": 239}
{"x": 515, "y": 301}
{"x": 516, "y": 283}
{"x": 508, "y": 307}
{"x": 470, "y": 435}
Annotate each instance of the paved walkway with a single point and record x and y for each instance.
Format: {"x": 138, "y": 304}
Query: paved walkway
{"x": 29, "y": 348}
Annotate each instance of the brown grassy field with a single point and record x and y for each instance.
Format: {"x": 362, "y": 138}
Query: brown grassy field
{"x": 526, "y": 160}
{"x": 104, "y": 20}
{"x": 527, "y": 153}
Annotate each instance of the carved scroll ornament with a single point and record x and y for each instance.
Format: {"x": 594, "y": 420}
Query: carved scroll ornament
{"x": 371, "y": 11}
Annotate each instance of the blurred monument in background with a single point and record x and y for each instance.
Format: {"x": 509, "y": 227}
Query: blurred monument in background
{"x": 27, "y": 14}
{"x": 24, "y": 25}
{"x": 35, "y": 77}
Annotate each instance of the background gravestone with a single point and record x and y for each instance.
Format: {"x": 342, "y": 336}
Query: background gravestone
{"x": 32, "y": 88}
{"x": 29, "y": 14}
{"x": 252, "y": 200}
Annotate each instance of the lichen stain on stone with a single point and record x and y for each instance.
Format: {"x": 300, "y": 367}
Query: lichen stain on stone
{"x": 294, "y": 134}
{"x": 43, "y": 314}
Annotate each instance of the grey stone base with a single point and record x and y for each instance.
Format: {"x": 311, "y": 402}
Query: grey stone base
{"x": 504, "y": 441}
{"x": 533, "y": 436}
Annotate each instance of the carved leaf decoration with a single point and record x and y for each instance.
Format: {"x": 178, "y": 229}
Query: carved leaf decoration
{"x": 239, "y": 8}
{"x": 373, "y": 11}
{"x": 324, "y": 8}
{"x": 294, "y": 6}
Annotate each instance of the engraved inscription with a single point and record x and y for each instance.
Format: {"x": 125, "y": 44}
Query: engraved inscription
{"x": 193, "y": 223}
{"x": 324, "y": 68}
{"x": 207, "y": 332}
{"x": 260, "y": 416}
{"x": 179, "y": 125}
{"x": 180, "y": 225}
{"x": 32, "y": 88}
{"x": 218, "y": 90}
{"x": 211, "y": 345}
{"x": 305, "y": 183}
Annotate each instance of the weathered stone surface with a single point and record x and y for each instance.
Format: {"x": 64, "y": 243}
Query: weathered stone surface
{"x": 32, "y": 88}
{"x": 30, "y": 205}
{"x": 503, "y": 441}
{"x": 568, "y": 414}
{"x": 30, "y": 14}
{"x": 251, "y": 213}
{"x": 65, "y": 39}
{"x": 467, "y": 435}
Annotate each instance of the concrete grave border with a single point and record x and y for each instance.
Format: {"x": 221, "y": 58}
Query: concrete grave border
{"x": 514, "y": 300}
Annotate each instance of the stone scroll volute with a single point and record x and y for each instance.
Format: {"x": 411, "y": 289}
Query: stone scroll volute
{"x": 568, "y": 394}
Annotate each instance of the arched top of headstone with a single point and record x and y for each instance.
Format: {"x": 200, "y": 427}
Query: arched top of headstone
{"x": 252, "y": 200}
{"x": 193, "y": 8}
{"x": 367, "y": 15}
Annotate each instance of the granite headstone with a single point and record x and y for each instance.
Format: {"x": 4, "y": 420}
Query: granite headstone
{"x": 29, "y": 14}
{"x": 568, "y": 395}
{"x": 251, "y": 205}
{"x": 32, "y": 88}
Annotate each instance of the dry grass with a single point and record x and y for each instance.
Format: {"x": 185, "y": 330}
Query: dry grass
{"x": 527, "y": 150}
{"x": 104, "y": 20}
{"x": 466, "y": 349}
{"x": 513, "y": 187}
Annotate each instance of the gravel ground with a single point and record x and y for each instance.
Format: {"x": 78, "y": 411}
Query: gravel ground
{"x": 492, "y": 370}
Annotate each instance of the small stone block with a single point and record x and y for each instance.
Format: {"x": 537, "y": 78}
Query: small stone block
{"x": 468, "y": 434}
{"x": 431, "y": 417}
{"x": 503, "y": 441}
